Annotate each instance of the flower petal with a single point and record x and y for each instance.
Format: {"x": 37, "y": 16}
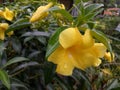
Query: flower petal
{"x": 65, "y": 67}
{"x": 2, "y": 35}
{"x": 99, "y": 49}
{"x": 88, "y": 40}
{"x": 57, "y": 55}
{"x": 1, "y": 13}
{"x": 8, "y": 14}
{"x": 64, "y": 60}
{"x": 4, "y": 26}
{"x": 40, "y": 13}
{"x": 108, "y": 56}
{"x": 69, "y": 37}
{"x": 84, "y": 58}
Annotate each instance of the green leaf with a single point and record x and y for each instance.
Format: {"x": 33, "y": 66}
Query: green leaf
{"x": 65, "y": 86}
{"x": 15, "y": 60}
{"x": 114, "y": 84}
{"x": 2, "y": 48}
{"x": 92, "y": 7}
{"x": 17, "y": 83}
{"x": 5, "y": 78}
{"x": 78, "y": 74}
{"x": 21, "y": 23}
{"x": 49, "y": 72}
{"x": 16, "y": 44}
{"x": 53, "y": 42}
{"x": 65, "y": 14}
{"x": 103, "y": 39}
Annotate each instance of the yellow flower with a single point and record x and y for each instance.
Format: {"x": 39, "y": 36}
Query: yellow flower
{"x": 76, "y": 50}
{"x": 108, "y": 57}
{"x": 8, "y": 15}
{"x": 10, "y": 33}
{"x": 61, "y": 6}
{"x": 3, "y": 27}
{"x": 1, "y": 13}
{"x": 40, "y": 13}
{"x": 107, "y": 71}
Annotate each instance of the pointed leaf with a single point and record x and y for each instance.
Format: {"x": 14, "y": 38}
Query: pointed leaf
{"x": 15, "y": 60}
{"x": 21, "y": 23}
{"x": 92, "y": 7}
{"x": 5, "y": 78}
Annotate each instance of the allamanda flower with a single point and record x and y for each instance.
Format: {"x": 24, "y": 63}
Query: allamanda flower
{"x": 108, "y": 56}
{"x": 3, "y": 27}
{"x": 40, "y": 13}
{"x": 76, "y": 51}
{"x": 7, "y": 14}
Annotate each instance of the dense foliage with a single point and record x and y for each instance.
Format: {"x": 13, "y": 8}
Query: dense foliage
{"x": 25, "y": 51}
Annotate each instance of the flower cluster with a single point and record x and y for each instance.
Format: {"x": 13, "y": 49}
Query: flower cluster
{"x": 8, "y": 15}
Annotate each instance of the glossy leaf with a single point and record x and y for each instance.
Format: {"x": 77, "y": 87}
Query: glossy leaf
{"x": 5, "y": 78}
{"x": 16, "y": 44}
{"x": 17, "y": 83}
{"x": 92, "y": 7}
{"x": 49, "y": 72}
{"x": 78, "y": 74}
{"x": 15, "y": 60}
{"x": 19, "y": 24}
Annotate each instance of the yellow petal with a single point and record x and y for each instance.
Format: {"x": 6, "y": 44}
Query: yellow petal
{"x": 1, "y": 13}
{"x": 97, "y": 62}
{"x": 84, "y": 58}
{"x": 69, "y": 37}
{"x": 4, "y": 26}
{"x": 65, "y": 67}
{"x": 64, "y": 60}
{"x": 99, "y": 49}
{"x": 57, "y": 55}
{"x": 8, "y": 14}
{"x": 61, "y": 6}
{"x": 88, "y": 40}
{"x": 40, "y": 13}
{"x": 107, "y": 71}
{"x": 2, "y": 35}
{"x": 10, "y": 33}
{"x": 108, "y": 56}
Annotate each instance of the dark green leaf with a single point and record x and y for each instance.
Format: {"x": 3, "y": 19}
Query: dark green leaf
{"x": 63, "y": 85}
{"x": 15, "y": 60}
{"x": 16, "y": 44}
{"x": 17, "y": 83}
{"x": 28, "y": 39}
{"x": 92, "y": 7}
{"x": 78, "y": 74}
{"x": 36, "y": 33}
{"x": 49, "y": 72}
{"x": 24, "y": 65}
{"x": 21, "y": 23}
{"x": 5, "y": 78}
